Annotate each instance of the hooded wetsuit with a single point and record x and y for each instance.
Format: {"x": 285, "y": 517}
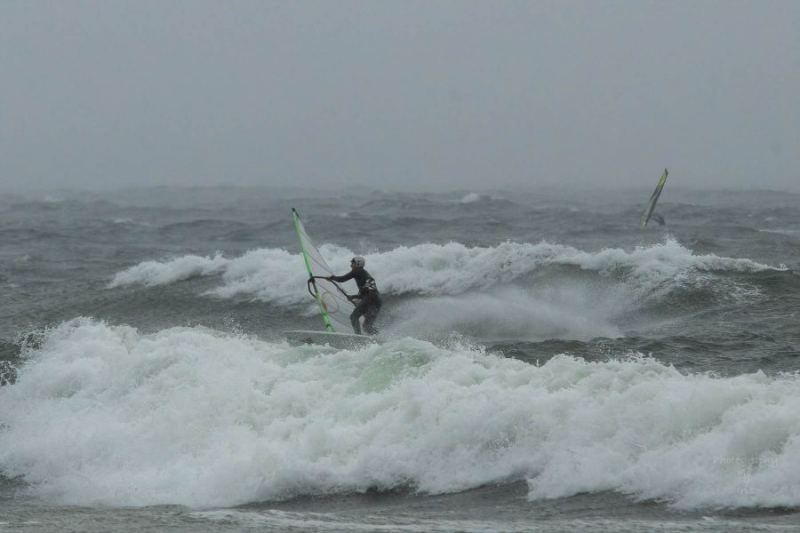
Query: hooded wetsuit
{"x": 368, "y": 300}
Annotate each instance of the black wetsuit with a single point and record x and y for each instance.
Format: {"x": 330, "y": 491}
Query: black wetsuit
{"x": 368, "y": 301}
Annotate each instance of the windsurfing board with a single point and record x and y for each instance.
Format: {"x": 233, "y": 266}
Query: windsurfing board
{"x": 333, "y": 339}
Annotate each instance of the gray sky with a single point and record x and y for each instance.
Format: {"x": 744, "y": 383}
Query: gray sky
{"x": 411, "y": 95}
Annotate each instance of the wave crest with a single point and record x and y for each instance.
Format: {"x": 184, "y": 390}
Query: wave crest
{"x": 275, "y": 275}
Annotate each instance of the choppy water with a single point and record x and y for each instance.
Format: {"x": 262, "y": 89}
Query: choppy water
{"x": 549, "y": 365}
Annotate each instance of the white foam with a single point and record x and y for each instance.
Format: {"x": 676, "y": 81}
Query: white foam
{"x": 275, "y": 275}
{"x": 471, "y": 198}
{"x": 781, "y": 231}
{"x": 152, "y": 273}
{"x": 127, "y": 221}
{"x": 573, "y": 311}
{"x": 106, "y": 415}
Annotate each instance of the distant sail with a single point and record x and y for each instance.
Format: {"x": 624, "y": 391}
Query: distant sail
{"x": 334, "y": 306}
{"x": 651, "y": 205}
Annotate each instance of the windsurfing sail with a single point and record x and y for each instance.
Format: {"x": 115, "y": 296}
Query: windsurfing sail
{"x": 334, "y": 305}
{"x": 651, "y": 205}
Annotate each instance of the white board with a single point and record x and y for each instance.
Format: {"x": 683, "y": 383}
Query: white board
{"x": 331, "y": 338}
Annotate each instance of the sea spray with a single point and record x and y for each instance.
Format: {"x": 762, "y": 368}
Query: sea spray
{"x": 103, "y": 414}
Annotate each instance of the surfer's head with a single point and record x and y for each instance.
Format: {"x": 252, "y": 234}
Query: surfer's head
{"x": 357, "y": 262}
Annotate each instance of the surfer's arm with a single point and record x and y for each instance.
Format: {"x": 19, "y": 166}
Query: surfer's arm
{"x": 341, "y": 279}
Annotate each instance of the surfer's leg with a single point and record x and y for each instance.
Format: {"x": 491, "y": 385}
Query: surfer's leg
{"x": 370, "y": 315}
{"x": 354, "y": 316}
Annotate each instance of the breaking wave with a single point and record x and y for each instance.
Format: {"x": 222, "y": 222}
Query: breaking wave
{"x": 107, "y": 415}
{"x": 277, "y": 276}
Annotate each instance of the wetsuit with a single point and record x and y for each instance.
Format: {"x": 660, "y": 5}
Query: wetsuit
{"x": 368, "y": 301}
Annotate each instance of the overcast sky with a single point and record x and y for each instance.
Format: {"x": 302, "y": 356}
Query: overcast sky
{"x": 415, "y": 95}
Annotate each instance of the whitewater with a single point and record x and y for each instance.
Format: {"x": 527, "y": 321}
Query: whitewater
{"x": 272, "y": 275}
{"x": 106, "y": 415}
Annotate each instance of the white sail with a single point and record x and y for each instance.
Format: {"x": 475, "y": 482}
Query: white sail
{"x": 334, "y": 306}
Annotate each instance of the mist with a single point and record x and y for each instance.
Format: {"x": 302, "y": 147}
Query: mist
{"x": 399, "y": 95}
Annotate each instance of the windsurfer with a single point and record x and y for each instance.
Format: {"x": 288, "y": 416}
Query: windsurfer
{"x": 367, "y": 301}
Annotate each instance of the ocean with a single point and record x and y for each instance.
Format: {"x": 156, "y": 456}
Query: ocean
{"x": 547, "y": 365}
